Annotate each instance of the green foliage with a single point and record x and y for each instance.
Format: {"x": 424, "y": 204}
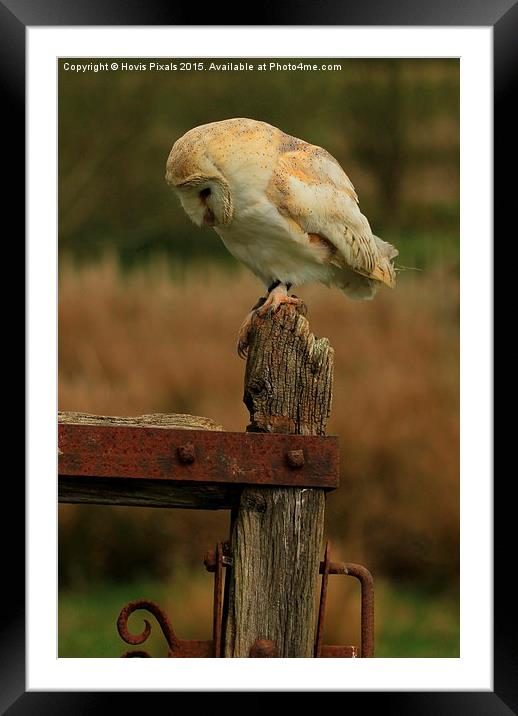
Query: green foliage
{"x": 409, "y": 622}
{"x": 392, "y": 124}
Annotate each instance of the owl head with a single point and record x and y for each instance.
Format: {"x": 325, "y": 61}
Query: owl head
{"x": 202, "y": 189}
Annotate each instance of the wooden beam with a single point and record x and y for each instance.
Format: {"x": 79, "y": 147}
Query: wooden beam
{"x": 146, "y": 493}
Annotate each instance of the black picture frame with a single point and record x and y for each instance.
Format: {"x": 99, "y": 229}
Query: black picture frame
{"x": 15, "y": 16}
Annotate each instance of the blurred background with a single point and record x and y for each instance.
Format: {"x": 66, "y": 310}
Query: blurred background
{"x": 149, "y": 308}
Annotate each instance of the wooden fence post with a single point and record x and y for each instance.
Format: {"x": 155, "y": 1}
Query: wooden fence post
{"x": 277, "y": 532}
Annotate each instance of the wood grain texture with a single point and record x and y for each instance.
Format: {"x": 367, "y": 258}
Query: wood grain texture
{"x": 154, "y": 420}
{"x": 277, "y": 532}
{"x": 146, "y": 493}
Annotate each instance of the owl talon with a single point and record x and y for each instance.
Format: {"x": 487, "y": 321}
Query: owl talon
{"x": 242, "y": 338}
{"x": 265, "y": 308}
{"x": 272, "y": 305}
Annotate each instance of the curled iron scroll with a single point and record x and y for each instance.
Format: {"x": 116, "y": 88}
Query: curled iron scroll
{"x": 134, "y": 639}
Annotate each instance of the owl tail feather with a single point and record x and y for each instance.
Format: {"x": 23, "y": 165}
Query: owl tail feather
{"x": 384, "y": 271}
{"x": 361, "y": 286}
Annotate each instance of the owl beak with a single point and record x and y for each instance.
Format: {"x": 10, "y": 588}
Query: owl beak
{"x": 208, "y": 217}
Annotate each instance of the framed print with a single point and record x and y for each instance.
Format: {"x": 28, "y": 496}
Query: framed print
{"x": 97, "y": 82}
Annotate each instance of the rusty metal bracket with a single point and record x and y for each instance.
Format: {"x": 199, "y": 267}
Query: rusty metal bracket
{"x": 264, "y": 647}
{"x": 178, "y": 648}
{"x": 129, "y": 452}
{"x": 367, "y": 608}
{"x": 215, "y": 561}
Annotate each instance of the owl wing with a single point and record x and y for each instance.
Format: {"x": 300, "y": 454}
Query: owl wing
{"x": 309, "y": 187}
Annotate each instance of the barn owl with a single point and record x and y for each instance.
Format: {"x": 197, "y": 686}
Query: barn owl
{"x": 283, "y": 207}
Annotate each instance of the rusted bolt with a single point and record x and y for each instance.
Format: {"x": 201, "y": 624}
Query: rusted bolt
{"x": 210, "y": 561}
{"x": 295, "y": 458}
{"x": 263, "y": 648}
{"x": 186, "y": 453}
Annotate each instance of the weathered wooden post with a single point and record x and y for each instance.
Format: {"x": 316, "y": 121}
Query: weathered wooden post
{"x": 277, "y": 532}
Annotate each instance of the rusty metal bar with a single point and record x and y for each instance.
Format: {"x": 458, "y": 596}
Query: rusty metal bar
{"x": 367, "y": 604}
{"x": 367, "y": 599}
{"x": 322, "y": 606}
{"x": 178, "y": 648}
{"x": 196, "y": 456}
{"x": 218, "y": 601}
{"x": 157, "y": 612}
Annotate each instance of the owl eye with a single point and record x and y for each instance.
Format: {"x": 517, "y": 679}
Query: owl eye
{"x": 204, "y": 193}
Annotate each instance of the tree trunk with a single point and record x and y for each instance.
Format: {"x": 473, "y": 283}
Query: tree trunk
{"x": 277, "y": 533}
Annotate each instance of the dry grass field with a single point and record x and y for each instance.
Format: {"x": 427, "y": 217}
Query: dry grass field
{"x": 163, "y": 340}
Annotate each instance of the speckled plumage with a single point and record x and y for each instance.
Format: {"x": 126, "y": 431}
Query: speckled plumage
{"x": 283, "y": 207}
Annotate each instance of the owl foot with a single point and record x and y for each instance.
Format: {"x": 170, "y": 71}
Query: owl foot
{"x": 275, "y": 299}
{"x": 242, "y": 336}
{"x": 264, "y": 308}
